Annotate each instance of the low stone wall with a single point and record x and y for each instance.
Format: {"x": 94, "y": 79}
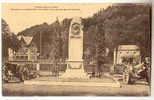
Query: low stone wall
{"x": 50, "y": 67}
{"x": 93, "y": 68}
{"x": 46, "y": 69}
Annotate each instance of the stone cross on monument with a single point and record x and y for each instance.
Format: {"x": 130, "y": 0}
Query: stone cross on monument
{"x": 75, "y": 67}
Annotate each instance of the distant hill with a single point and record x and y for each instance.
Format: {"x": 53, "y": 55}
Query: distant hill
{"x": 32, "y": 31}
{"x": 122, "y": 24}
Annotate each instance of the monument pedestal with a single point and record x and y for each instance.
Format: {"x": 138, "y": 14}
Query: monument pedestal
{"x": 75, "y": 69}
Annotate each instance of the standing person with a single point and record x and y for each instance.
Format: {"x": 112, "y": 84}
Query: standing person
{"x": 147, "y": 66}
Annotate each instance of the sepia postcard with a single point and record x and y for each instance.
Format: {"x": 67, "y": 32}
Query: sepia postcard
{"x": 76, "y": 49}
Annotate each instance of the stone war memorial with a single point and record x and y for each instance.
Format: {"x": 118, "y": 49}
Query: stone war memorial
{"x": 75, "y": 68}
{"x": 75, "y": 74}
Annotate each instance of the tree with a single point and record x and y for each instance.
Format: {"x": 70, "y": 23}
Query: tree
{"x": 58, "y": 44}
{"x": 100, "y": 47}
{"x": 9, "y": 40}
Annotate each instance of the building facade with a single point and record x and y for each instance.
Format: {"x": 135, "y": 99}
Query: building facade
{"x": 27, "y": 52}
{"x": 127, "y": 54}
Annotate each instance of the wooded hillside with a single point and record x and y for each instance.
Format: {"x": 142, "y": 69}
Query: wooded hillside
{"x": 118, "y": 24}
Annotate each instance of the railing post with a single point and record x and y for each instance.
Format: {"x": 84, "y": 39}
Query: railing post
{"x": 37, "y": 66}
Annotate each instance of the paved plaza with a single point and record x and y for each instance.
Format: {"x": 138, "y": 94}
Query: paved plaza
{"x": 140, "y": 88}
{"x": 19, "y": 89}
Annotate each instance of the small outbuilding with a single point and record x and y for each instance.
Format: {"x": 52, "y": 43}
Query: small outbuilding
{"x": 127, "y": 54}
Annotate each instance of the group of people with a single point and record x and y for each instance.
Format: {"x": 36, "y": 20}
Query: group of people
{"x": 140, "y": 71}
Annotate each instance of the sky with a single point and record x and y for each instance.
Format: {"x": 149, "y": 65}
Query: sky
{"x": 19, "y": 19}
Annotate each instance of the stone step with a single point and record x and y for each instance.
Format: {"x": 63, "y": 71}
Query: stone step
{"x": 52, "y": 83}
{"x": 106, "y": 82}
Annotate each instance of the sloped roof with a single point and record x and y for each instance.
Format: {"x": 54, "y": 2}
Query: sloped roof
{"x": 27, "y": 39}
{"x": 128, "y": 47}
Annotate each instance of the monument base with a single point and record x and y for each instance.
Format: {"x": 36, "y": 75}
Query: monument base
{"x": 75, "y": 73}
{"x": 51, "y": 81}
{"x": 75, "y": 69}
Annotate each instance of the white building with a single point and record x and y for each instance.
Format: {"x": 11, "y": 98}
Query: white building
{"x": 127, "y": 53}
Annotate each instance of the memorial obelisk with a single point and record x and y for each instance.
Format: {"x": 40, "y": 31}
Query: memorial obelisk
{"x": 75, "y": 67}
